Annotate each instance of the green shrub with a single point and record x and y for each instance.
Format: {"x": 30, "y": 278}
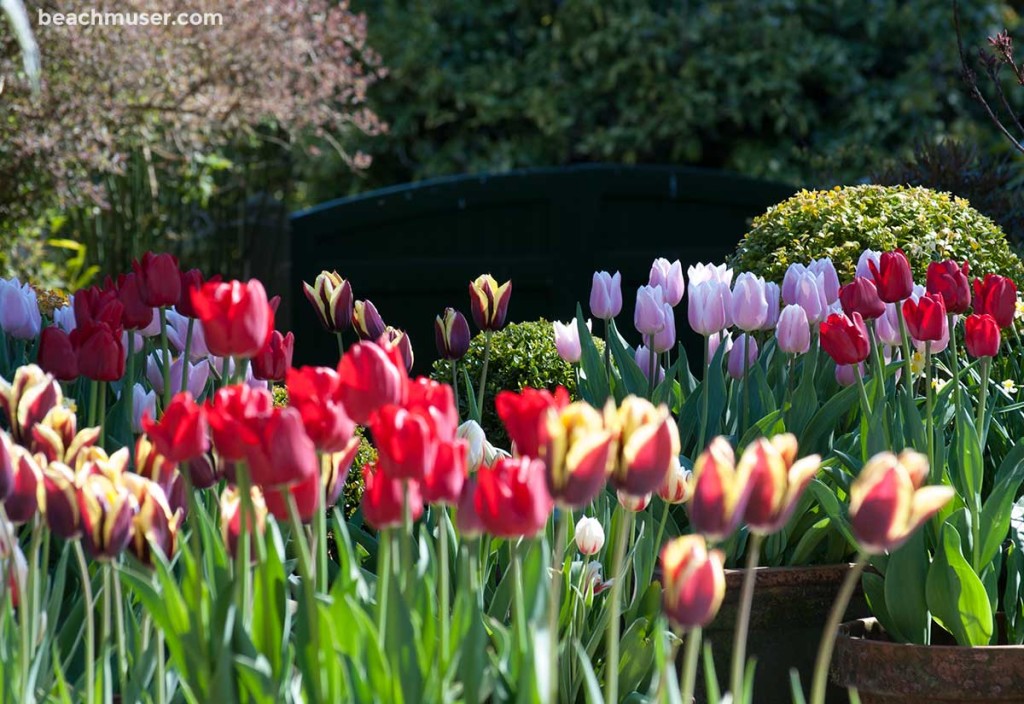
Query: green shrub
{"x": 843, "y": 222}
{"x": 522, "y": 354}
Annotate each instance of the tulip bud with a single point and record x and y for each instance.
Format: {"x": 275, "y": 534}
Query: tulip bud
{"x": 331, "y": 298}
{"x": 489, "y": 302}
{"x": 155, "y": 526}
{"x": 398, "y": 339}
{"x": 202, "y": 471}
{"x": 473, "y": 434}
{"x": 789, "y": 282}
{"x": 606, "y": 295}
{"x": 948, "y": 280}
{"x": 830, "y": 279}
{"x": 793, "y": 333}
{"x": 143, "y": 403}
{"x": 466, "y": 518}
{"x": 370, "y": 378}
{"x": 777, "y": 481}
{"x": 451, "y": 334}
{"x": 670, "y": 277}
{"x": 694, "y": 581}
{"x": 677, "y": 487}
{"x": 749, "y": 302}
{"x": 108, "y": 509}
{"x": 846, "y": 374}
{"x": 383, "y": 498}
{"x": 744, "y": 346}
{"x": 720, "y": 491}
{"x": 576, "y": 454}
{"x": 100, "y": 351}
{"x": 700, "y": 273}
{"x": 334, "y": 472}
{"x": 926, "y": 317}
{"x": 6, "y": 465}
{"x": 773, "y": 294}
{"x": 61, "y": 503}
{"x": 28, "y": 399}
{"x": 231, "y": 518}
{"x": 275, "y": 359}
{"x": 367, "y": 321}
{"x": 720, "y": 341}
{"x": 809, "y": 294}
{"x": 445, "y": 477}
{"x": 567, "y": 341}
{"x": 845, "y": 339}
{"x": 56, "y": 355}
{"x": 19, "y": 310}
{"x": 158, "y": 279}
{"x": 888, "y": 503}
{"x": 237, "y": 317}
{"x": 523, "y": 413}
{"x": 27, "y": 494}
{"x": 136, "y": 313}
{"x": 892, "y": 276}
{"x": 589, "y": 534}
{"x": 863, "y": 267}
{"x": 642, "y": 357}
{"x": 665, "y": 339}
{"x": 996, "y": 296}
{"x": 305, "y": 494}
{"x": 512, "y": 500}
{"x": 648, "y": 442}
{"x": 633, "y": 504}
{"x": 649, "y": 316}
{"x": 191, "y": 280}
{"x": 282, "y": 452}
{"x": 709, "y": 307}
{"x": 861, "y": 296}
{"x": 981, "y": 335}
{"x": 181, "y": 433}
{"x": 151, "y": 464}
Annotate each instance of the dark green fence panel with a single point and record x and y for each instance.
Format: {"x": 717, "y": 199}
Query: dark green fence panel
{"x": 413, "y": 249}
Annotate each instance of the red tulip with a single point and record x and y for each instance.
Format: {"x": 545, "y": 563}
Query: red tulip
{"x": 283, "y": 454}
{"x": 181, "y": 434}
{"x": 997, "y": 296}
{"x": 721, "y": 490}
{"x": 305, "y": 493}
{"x": 845, "y": 339}
{"x": 57, "y": 355}
{"x": 235, "y": 416}
{"x": 6, "y": 465}
{"x": 94, "y": 304}
{"x": 436, "y": 403}
{"x": 136, "y": 314}
{"x": 155, "y": 525}
{"x": 315, "y": 393}
{"x": 231, "y": 518}
{"x": 27, "y": 494}
{"x": 405, "y": 443}
{"x": 524, "y": 414}
{"x": 467, "y": 520}
{"x": 275, "y": 359}
{"x": 861, "y": 296}
{"x": 62, "y": 514}
{"x": 237, "y": 318}
{"x": 981, "y": 335}
{"x": 949, "y": 281}
{"x": 893, "y": 277}
{"x": 383, "y": 498}
{"x": 335, "y": 472}
{"x": 926, "y": 317}
{"x": 371, "y": 377}
{"x": 445, "y": 477}
{"x": 576, "y": 454}
{"x": 512, "y": 499}
{"x": 191, "y": 280}
{"x": 152, "y": 464}
{"x": 648, "y": 445}
{"x": 159, "y": 279}
{"x": 777, "y": 481}
{"x": 100, "y": 351}
{"x": 694, "y": 581}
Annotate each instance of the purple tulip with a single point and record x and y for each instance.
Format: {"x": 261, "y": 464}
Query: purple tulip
{"x": 567, "y": 341}
{"x": 19, "y": 310}
{"x": 887, "y": 326}
{"x": 606, "y": 295}
{"x": 742, "y": 344}
{"x": 827, "y": 269}
{"x": 700, "y": 273}
{"x": 642, "y": 357}
{"x": 670, "y": 277}
{"x": 716, "y": 341}
{"x": 793, "y": 331}
{"x": 665, "y": 339}
{"x": 846, "y": 374}
{"x": 863, "y": 268}
{"x": 749, "y": 302}
{"x": 649, "y": 316}
{"x": 708, "y": 307}
{"x": 809, "y": 294}
{"x": 789, "y": 282}
{"x": 773, "y": 294}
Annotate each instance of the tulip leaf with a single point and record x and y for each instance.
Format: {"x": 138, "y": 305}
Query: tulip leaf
{"x": 826, "y": 498}
{"x": 995, "y": 515}
{"x": 815, "y": 433}
{"x": 594, "y": 695}
{"x": 634, "y": 381}
{"x": 594, "y": 382}
{"x": 905, "y": 578}
{"x": 968, "y": 465}
{"x": 874, "y": 593}
{"x": 472, "y": 410}
{"x": 805, "y": 396}
{"x": 956, "y": 597}
{"x": 687, "y": 381}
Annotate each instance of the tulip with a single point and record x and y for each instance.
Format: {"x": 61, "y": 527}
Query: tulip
{"x": 473, "y": 434}
{"x": 7, "y": 461}
{"x": 467, "y": 520}
{"x": 648, "y": 443}
{"x": 670, "y": 277}
{"x": 576, "y": 454}
{"x": 16, "y": 570}
{"x": 57, "y": 439}
{"x": 794, "y": 272}
{"x": 892, "y": 276}
{"x": 435, "y": 402}
{"x": 631, "y": 503}
{"x": 155, "y": 526}
{"x": 202, "y": 471}
{"x": 19, "y": 310}
{"x": 677, "y": 487}
{"x": 334, "y": 472}
{"x": 489, "y": 302}
{"x": 93, "y": 305}
{"x": 61, "y": 501}
{"x": 100, "y": 351}
{"x": 996, "y": 296}
{"x": 749, "y": 302}
{"x": 523, "y": 414}
{"x": 315, "y": 393}
{"x": 158, "y": 279}
{"x": 235, "y": 416}
{"x": 887, "y": 327}
{"x": 28, "y": 399}
{"x": 451, "y": 334}
{"x": 367, "y": 321}
{"x": 181, "y": 433}
{"x": 925, "y": 317}
{"x": 445, "y": 477}
{"x": 283, "y": 453}
{"x": 845, "y": 339}
{"x": 400, "y": 340}
{"x": 981, "y": 335}
{"x": 709, "y": 272}
{"x": 405, "y": 445}
{"x": 589, "y": 534}
{"x": 827, "y": 270}
{"x": 177, "y": 336}
{"x": 744, "y": 346}
{"x": 56, "y": 354}
{"x": 153, "y": 465}
{"x": 949, "y": 281}
{"x": 888, "y": 503}
{"x": 135, "y": 313}
{"x": 237, "y": 318}
{"x": 649, "y": 315}
{"x": 863, "y": 267}
{"x": 370, "y": 378}
{"x": 305, "y": 493}
{"x": 231, "y": 517}
{"x": 275, "y": 359}
{"x": 512, "y": 500}
{"x": 861, "y": 296}
{"x": 108, "y": 510}
{"x": 27, "y": 494}
{"x": 721, "y": 490}
{"x": 191, "y": 280}
{"x": 567, "y": 341}
{"x": 665, "y": 339}
{"x": 809, "y": 294}
{"x": 606, "y": 295}
{"x": 709, "y": 307}
{"x": 793, "y": 333}
{"x": 642, "y": 357}
{"x": 721, "y": 341}
{"x": 198, "y": 374}
{"x": 694, "y": 581}
{"x": 143, "y": 403}
{"x": 64, "y": 317}
{"x": 846, "y": 374}
{"x": 773, "y": 294}
{"x": 383, "y": 498}
{"x": 331, "y": 298}
{"x": 778, "y": 480}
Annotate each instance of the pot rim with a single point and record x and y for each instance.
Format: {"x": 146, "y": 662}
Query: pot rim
{"x": 843, "y": 634}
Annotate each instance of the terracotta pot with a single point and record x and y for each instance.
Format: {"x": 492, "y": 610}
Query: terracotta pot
{"x": 791, "y": 605}
{"x": 884, "y": 671}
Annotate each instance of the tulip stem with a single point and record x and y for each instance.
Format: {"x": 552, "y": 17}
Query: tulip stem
{"x": 608, "y": 349}
{"x": 186, "y": 354}
{"x": 618, "y": 573}
{"x": 483, "y": 375}
{"x": 90, "y": 624}
{"x": 408, "y": 544}
{"x": 308, "y": 586}
{"x": 455, "y": 387}
{"x": 445, "y": 594}
{"x": 652, "y": 364}
{"x": 320, "y": 520}
{"x": 161, "y": 676}
{"x": 22, "y": 588}
{"x": 122, "y": 656}
{"x": 986, "y": 367}
{"x": 907, "y": 370}
{"x": 341, "y": 345}
{"x": 688, "y": 679}
{"x": 745, "y": 410}
{"x": 955, "y": 360}
{"x": 828, "y": 636}
{"x": 661, "y": 530}
{"x": 165, "y": 358}
{"x": 739, "y": 643}
{"x": 243, "y": 559}
{"x": 929, "y": 399}
{"x": 563, "y": 516}
{"x": 519, "y": 605}
{"x": 704, "y": 397}
{"x": 383, "y": 580}
{"x": 102, "y": 412}
{"x": 30, "y": 599}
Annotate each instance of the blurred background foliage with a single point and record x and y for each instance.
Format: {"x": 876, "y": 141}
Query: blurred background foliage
{"x": 809, "y": 92}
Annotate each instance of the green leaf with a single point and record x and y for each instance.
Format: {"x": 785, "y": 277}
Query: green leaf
{"x": 905, "y": 578}
{"x": 594, "y": 383}
{"x": 967, "y": 460}
{"x": 594, "y": 695}
{"x": 995, "y": 514}
{"x": 633, "y": 379}
{"x": 956, "y": 596}
{"x": 823, "y": 423}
